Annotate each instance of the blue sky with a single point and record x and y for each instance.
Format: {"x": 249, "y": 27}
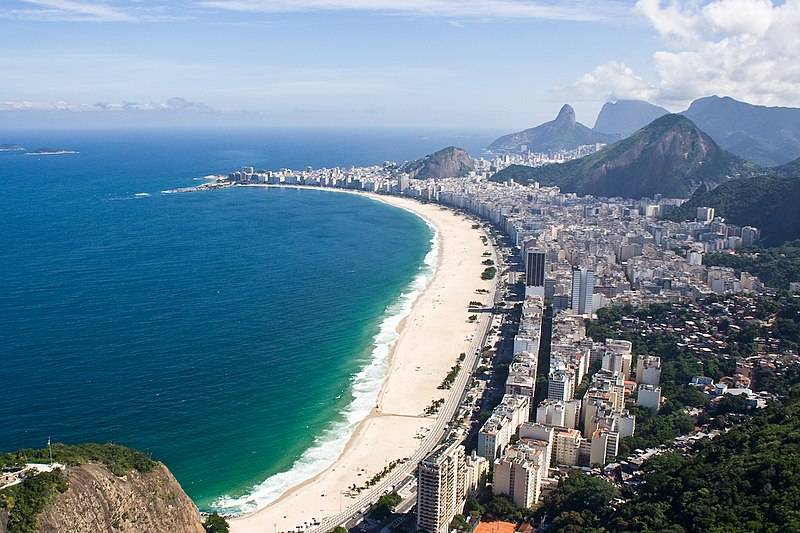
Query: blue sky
{"x": 495, "y": 64}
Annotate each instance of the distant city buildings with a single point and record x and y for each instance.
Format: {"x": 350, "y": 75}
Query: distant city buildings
{"x": 578, "y": 254}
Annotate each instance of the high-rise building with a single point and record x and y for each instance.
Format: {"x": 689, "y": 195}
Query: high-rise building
{"x": 705, "y": 214}
{"x": 648, "y": 370}
{"x": 534, "y": 272}
{"x": 582, "y": 290}
{"x": 441, "y": 487}
{"x": 518, "y": 475}
{"x": 749, "y": 235}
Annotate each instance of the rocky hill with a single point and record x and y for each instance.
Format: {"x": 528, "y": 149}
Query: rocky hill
{"x": 106, "y": 488}
{"x": 670, "y": 156}
{"x": 765, "y": 135}
{"x": 624, "y": 117}
{"x": 450, "y": 162}
{"x": 563, "y": 133}
{"x": 767, "y": 202}
{"x": 790, "y": 169}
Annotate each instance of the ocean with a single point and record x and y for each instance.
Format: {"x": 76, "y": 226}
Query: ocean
{"x": 237, "y": 335}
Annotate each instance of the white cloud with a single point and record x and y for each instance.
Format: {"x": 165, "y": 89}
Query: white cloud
{"x": 72, "y": 10}
{"x": 173, "y": 104}
{"x": 614, "y": 81}
{"x": 747, "y": 49}
{"x": 576, "y": 10}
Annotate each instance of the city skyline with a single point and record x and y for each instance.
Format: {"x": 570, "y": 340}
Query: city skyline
{"x": 500, "y": 64}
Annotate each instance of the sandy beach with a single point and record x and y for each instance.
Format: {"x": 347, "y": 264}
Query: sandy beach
{"x": 431, "y": 338}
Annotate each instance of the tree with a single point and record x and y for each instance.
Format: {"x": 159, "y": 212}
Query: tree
{"x": 459, "y": 523}
{"x": 385, "y": 505}
{"x": 216, "y": 524}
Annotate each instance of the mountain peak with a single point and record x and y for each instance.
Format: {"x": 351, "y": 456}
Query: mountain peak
{"x": 562, "y": 133}
{"x": 566, "y": 115}
{"x": 768, "y": 136}
{"x": 624, "y": 117}
{"x": 670, "y": 156}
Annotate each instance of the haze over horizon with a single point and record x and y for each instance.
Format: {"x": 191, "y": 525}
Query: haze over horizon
{"x": 501, "y": 64}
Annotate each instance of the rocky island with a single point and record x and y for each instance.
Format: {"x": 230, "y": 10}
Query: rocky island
{"x": 11, "y": 148}
{"x": 51, "y": 151}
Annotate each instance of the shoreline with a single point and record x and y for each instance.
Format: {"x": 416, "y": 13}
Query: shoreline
{"x": 418, "y": 359}
{"x": 400, "y": 308}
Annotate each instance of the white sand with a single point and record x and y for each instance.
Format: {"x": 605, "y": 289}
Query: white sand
{"x": 431, "y": 339}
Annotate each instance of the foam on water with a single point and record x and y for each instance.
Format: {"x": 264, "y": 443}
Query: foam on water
{"x": 365, "y": 388}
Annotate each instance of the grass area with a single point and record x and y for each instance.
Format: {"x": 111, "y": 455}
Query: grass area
{"x": 119, "y": 459}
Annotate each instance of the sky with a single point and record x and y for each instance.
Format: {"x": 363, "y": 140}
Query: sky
{"x": 500, "y": 64}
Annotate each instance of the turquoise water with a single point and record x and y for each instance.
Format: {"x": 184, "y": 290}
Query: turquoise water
{"x": 230, "y": 333}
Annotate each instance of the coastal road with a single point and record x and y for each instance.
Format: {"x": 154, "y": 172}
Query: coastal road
{"x": 439, "y": 430}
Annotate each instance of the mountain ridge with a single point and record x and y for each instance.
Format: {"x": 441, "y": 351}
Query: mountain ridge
{"x": 624, "y": 117}
{"x": 766, "y": 135}
{"x": 562, "y": 133}
{"x": 670, "y": 156}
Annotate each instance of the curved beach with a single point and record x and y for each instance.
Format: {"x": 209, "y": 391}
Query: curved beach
{"x": 430, "y": 340}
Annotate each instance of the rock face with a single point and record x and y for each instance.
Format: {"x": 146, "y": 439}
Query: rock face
{"x": 670, "y": 156}
{"x": 98, "y": 501}
{"x": 765, "y": 135}
{"x": 563, "y": 133}
{"x": 450, "y": 162}
{"x": 624, "y": 117}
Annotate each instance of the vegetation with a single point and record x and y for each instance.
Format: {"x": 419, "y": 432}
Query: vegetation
{"x": 385, "y": 505}
{"x": 339, "y": 529}
{"x": 487, "y": 262}
{"x": 214, "y": 523}
{"x": 489, "y": 273}
{"x": 459, "y": 523}
{"x": 119, "y": 459}
{"x": 448, "y": 380}
{"x": 767, "y": 202}
{"x": 776, "y": 267}
{"x": 745, "y": 480}
{"x": 496, "y": 507}
{"x": 434, "y": 407}
{"x": 26, "y": 500}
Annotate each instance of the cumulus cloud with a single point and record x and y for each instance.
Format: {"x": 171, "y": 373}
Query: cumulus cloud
{"x": 747, "y": 49}
{"x": 614, "y": 81}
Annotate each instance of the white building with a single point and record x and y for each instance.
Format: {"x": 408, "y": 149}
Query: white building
{"x": 441, "y": 488}
{"x": 648, "y": 370}
{"x": 649, "y": 396}
{"x": 518, "y": 475}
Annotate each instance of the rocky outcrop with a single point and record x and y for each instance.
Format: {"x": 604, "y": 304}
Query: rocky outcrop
{"x": 450, "y": 162}
{"x": 98, "y": 501}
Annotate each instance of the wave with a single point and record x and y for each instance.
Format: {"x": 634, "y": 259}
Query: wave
{"x": 366, "y": 386}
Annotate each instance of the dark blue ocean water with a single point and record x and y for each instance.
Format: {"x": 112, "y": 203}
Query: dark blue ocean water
{"x": 222, "y": 331}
